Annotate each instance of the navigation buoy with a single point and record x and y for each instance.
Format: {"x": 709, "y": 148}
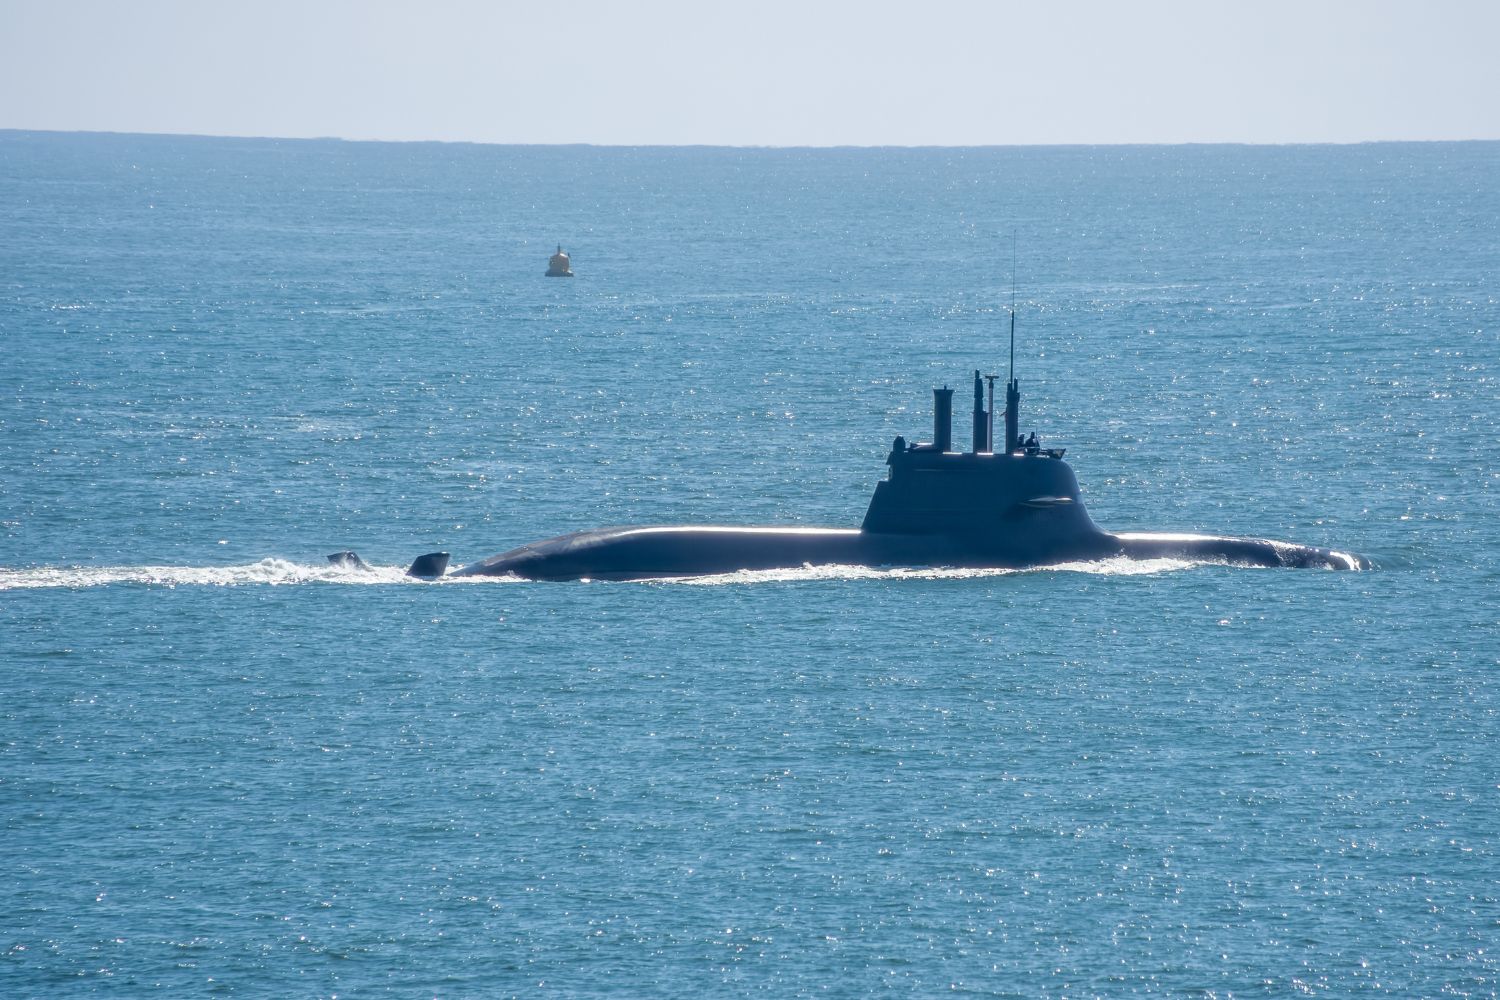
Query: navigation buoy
{"x": 558, "y": 267}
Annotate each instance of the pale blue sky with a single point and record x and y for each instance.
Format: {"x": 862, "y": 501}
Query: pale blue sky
{"x": 925, "y": 72}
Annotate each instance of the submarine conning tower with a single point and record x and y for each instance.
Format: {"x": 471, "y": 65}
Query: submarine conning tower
{"x": 933, "y": 490}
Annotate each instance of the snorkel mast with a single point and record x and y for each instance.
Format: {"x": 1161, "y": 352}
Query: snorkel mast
{"x": 1012, "y": 387}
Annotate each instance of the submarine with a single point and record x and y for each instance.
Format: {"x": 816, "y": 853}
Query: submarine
{"x": 1009, "y": 507}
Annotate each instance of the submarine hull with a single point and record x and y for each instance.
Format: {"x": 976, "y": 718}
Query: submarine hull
{"x": 645, "y": 553}
{"x": 681, "y": 551}
{"x": 651, "y": 552}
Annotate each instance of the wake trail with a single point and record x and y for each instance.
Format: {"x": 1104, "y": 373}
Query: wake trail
{"x": 282, "y": 572}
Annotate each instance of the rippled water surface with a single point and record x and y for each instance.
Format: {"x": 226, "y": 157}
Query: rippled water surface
{"x": 226, "y": 767}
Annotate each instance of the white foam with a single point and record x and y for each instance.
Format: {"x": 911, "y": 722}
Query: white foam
{"x": 1116, "y": 566}
{"x": 267, "y": 572}
{"x": 280, "y": 572}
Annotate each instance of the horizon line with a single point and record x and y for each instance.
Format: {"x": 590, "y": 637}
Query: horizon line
{"x": 742, "y": 146}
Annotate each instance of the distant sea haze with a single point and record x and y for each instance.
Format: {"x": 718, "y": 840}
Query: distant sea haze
{"x": 228, "y": 766}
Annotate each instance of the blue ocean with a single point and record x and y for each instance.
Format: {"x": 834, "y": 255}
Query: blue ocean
{"x": 229, "y": 768}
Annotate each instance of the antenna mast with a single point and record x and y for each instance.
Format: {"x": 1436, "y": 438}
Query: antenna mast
{"x": 1012, "y": 387}
{"x": 1012, "y": 305}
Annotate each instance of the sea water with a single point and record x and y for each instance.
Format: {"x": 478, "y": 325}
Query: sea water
{"x": 229, "y": 768}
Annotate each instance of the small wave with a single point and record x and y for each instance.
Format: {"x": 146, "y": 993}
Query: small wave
{"x": 267, "y": 572}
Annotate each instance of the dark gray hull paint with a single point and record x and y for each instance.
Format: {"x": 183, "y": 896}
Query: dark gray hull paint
{"x": 667, "y": 552}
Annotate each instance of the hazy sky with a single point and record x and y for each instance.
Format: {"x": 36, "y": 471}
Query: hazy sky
{"x": 923, "y": 72}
